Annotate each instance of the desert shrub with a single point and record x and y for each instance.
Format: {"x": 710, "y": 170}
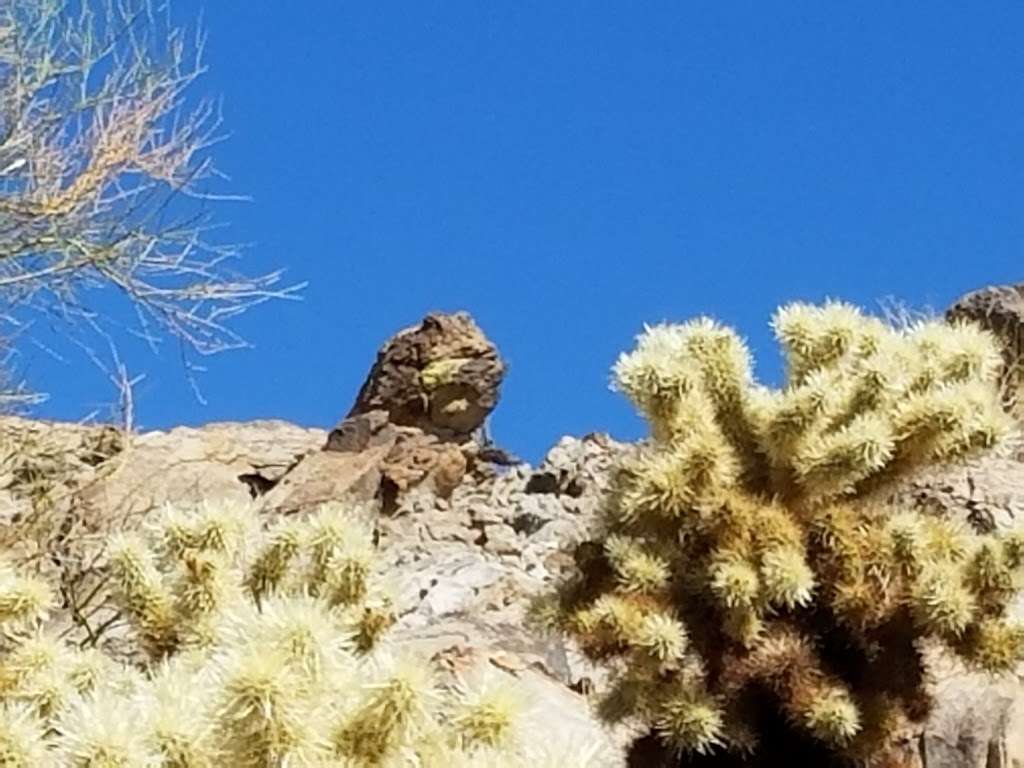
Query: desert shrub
{"x": 109, "y": 196}
{"x": 752, "y": 589}
{"x": 255, "y": 648}
{"x": 102, "y": 145}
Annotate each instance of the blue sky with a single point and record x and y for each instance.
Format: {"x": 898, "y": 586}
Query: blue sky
{"x": 568, "y": 171}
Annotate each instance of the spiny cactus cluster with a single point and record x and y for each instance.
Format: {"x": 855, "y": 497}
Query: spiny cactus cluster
{"x": 751, "y": 576}
{"x": 256, "y": 649}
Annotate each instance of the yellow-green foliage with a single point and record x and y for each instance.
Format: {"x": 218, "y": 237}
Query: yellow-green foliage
{"x": 257, "y": 649}
{"x": 749, "y": 559}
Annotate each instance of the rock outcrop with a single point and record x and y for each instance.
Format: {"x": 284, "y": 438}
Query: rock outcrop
{"x": 79, "y": 481}
{"x": 442, "y": 376}
{"x": 467, "y": 535}
{"x": 416, "y": 422}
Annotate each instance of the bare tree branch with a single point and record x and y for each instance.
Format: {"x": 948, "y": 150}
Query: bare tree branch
{"x": 105, "y": 173}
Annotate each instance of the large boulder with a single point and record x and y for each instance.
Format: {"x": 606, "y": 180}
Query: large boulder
{"x": 321, "y": 476}
{"x": 442, "y": 376}
{"x": 71, "y": 475}
{"x": 421, "y": 409}
{"x": 236, "y": 461}
{"x": 978, "y": 722}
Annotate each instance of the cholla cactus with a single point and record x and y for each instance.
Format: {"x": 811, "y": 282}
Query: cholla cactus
{"x": 750, "y": 564}
{"x": 259, "y": 648}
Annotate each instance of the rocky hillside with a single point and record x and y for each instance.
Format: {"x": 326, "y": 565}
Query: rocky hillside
{"x": 467, "y": 533}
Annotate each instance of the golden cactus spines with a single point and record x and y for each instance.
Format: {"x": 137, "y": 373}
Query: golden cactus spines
{"x": 393, "y": 711}
{"x": 261, "y": 711}
{"x": 260, "y": 649}
{"x": 691, "y": 721}
{"x": 22, "y": 738}
{"x": 145, "y": 594}
{"x": 485, "y": 713}
{"x": 31, "y": 657}
{"x": 101, "y": 732}
{"x": 755, "y": 520}
{"x": 268, "y": 570}
{"x": 24, "y": 599}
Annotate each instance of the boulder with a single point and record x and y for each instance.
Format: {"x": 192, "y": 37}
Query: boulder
{"x": 442, "y": 376}
{"x": 234, "y": 461}
{"x": 101, "y": 477}
{"x": 323, "y": 476}
{"x": 978, "y": 722}
{"x": 426, "y": 398}
{"x": 420, "y": 459}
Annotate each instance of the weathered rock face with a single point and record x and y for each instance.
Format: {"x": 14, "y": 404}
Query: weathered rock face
{"x": 73, "y": 475}
{"x": 421, "y": 407}
{"x": 442, "y": 376}
{"x": 465, "y": 568}
{"x": 495, "y": 542}
{"x": 978, "y": 722}
{"x": 322, "y": 476}
{"x": 988, "y": 494}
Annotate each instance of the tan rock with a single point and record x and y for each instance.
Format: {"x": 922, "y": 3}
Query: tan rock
{"x": 189, "y": 464}
{"x": 361, "y": 431}
{"x": 324, "y": 476}
{"x": 502, "y": 539}
{"x": 987, "y": 492}
{"x": 442, "y": 376}
{"x": 420, "y": 459}
{"x": 999, "y": 308}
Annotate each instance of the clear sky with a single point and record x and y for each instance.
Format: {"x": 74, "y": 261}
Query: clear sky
{"x": 567, "y": 171}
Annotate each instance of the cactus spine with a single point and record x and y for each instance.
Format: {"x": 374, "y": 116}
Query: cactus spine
{"x": 749, "y": 559}
{"x": 255, "y": 648}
